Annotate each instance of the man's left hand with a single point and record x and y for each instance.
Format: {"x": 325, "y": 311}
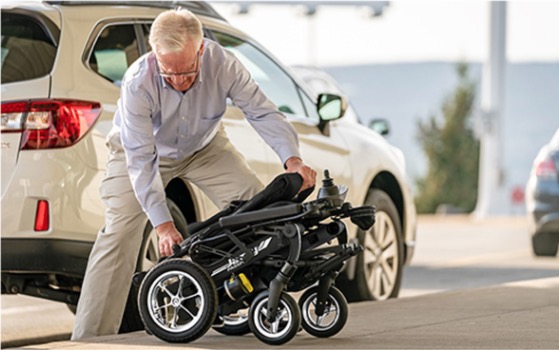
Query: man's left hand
{"x": 296, "y": 165}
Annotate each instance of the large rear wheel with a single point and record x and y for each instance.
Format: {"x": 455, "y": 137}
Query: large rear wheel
{"x": 178, "y": 301}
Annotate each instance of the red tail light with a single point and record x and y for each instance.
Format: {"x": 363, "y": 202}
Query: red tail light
{"x": 49, "y": 123}
{"x": 546, "y": 168}
{"x": 42, "y": 216}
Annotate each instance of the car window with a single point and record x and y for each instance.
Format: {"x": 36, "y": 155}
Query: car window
{"x": 116, "y": 48}
{"x": 275, "y": 83}
{"x": 28, "y": 51}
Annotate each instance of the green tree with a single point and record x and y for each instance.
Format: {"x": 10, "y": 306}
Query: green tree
{"x": 452, "y": 152}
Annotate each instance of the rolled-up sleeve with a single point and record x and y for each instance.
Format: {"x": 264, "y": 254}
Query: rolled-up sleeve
{"x": 141, "y": 155}
{"x": 261, "y": 113}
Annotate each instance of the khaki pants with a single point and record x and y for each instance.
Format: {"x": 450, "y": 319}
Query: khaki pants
{"x": 219, "y": 170}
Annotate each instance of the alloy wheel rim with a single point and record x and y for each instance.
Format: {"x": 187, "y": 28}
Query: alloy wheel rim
{"x": 327, "y": 320}
{"x": 175, "y": 301}
{"x": 280, "y": 326}
{"x": 381, "y": 257}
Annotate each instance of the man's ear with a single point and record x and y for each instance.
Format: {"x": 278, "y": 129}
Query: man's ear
{"x": 202, "y": 48}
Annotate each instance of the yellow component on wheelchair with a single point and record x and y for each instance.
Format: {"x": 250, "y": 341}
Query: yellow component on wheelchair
{"x": 246, "y": 283}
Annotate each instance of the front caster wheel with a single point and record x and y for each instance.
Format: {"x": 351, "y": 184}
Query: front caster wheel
{"x": 333, "y": 318}
{"x": 178, "y": 301}
{"x": 283, "y": 328}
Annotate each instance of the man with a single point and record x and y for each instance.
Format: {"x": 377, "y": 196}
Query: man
{"x": 167, "y": 125}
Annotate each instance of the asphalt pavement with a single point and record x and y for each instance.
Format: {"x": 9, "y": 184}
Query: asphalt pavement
{"x": 517, "y": 315}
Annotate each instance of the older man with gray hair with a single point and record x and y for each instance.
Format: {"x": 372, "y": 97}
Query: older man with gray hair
{"x": 168, "y": 125}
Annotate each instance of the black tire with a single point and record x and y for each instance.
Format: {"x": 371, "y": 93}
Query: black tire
{"x": 148, "y": 257}
{"x": 288, "y": 321}
{"x": 178, "y": 301}
{"x": 335, "y": 316}
{"x": 545, "y": 244}
{"x": 235, "y": 325}
{"x": 379, "y": 267}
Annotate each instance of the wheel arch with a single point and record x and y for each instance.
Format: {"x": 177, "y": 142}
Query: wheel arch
{"x": 386, "y": 182}
{"x": 178, "y": 191}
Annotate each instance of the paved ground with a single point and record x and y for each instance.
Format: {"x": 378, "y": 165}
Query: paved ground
{"x": 519, "y": 315}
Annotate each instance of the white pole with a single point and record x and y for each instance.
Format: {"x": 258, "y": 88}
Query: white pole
{"x": 491, "y": 192}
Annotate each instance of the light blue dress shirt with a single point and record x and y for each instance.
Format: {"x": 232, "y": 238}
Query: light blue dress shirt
{"x": 155, "y": 120}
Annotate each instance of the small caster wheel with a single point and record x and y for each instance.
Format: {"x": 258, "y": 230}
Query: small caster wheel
{"x": 331, "y": 321}
{"x": 283, "y": 328}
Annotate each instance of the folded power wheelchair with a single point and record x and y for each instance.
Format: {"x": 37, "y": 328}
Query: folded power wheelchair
{"x": 249, "y": 256}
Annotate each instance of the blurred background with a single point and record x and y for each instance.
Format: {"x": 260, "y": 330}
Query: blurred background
{"x": 399, "y": 61}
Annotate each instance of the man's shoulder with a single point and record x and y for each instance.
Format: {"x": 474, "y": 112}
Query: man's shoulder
{"x": 215, "y": 50}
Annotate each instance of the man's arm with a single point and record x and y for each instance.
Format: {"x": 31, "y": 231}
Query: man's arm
{"x": 268, "y": 121}
{"x": 143, "y": 166}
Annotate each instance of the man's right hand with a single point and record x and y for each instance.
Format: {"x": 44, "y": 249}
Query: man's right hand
{"x": 168, "y": 237}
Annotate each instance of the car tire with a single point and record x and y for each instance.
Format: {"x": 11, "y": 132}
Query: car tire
{"x": 545, "y": 244}
{"x": 148, "y": 257}
{"x": 378, "y": 274}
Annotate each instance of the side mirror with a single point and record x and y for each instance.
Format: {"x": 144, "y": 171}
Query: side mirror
{"x": 330, "y": 107}
{"x": 380, "y": 125}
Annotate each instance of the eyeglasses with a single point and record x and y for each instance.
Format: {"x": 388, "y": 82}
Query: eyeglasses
{"x": 182, "y": 75}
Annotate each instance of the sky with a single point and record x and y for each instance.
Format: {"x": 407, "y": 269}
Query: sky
{"x": 407, "y": 31}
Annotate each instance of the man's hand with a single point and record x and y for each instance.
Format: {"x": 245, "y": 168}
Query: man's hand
{"x": 296, "y": 165}
{"x": 168, "y": 237}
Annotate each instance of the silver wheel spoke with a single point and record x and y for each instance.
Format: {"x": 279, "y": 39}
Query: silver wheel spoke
{"x": 187, "y": 311}
{"x": 157, "y": 308}
{"x": 163, "y": 288}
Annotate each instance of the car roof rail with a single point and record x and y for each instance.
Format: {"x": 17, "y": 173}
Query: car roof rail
{"x": 198, "y": 7}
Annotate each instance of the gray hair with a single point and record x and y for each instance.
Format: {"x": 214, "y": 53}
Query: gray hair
{"x": 172, "y": 30}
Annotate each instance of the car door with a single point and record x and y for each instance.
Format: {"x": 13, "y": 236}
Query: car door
{"x": 319, "y": 149}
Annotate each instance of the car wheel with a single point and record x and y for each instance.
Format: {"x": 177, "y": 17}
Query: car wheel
{"x": 545, "y": 244}
{"x": 379, "y": 267}
{"x": 149, "y": 255}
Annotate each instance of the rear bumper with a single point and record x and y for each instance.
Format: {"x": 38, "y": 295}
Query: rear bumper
{"x": 547, "y": 223}
{"x": 38, "y": 256}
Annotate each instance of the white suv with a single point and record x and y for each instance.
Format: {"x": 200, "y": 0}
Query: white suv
{"x": 62, "y": 63}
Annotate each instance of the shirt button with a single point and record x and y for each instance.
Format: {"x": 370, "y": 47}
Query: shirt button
{"x": 183, "y": 117}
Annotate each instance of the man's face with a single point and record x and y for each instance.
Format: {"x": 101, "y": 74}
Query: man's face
{"x": 180, "y": 69}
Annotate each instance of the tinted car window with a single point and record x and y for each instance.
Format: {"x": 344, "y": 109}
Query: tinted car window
{"x": 28, "y": 51}
{"x": 115, "y": 50}
{"x": 275, "y": 83}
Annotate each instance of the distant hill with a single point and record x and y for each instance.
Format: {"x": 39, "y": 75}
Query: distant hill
{"x": 403, "y": 93}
